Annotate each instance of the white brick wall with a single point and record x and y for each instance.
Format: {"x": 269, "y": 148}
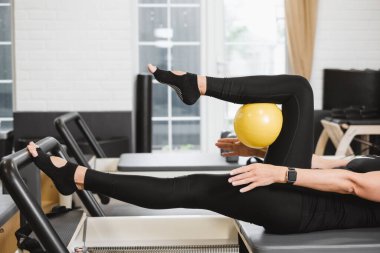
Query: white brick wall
{"x": 66, "y": 49}
{"x": 348, "y": 36}
{"x": 74, "y": 54}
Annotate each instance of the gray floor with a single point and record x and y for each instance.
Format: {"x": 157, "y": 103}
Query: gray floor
{"x": 118, "y": 208}
{"x": 124, "y": 209}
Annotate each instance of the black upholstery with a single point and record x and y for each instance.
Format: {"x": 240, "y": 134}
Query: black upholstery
{"x": 364, "y": 240}
{"x": 318, "y": 116}
{"x": 355, "y": 121}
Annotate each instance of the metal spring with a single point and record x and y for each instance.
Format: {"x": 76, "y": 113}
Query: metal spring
{"x": 231, "y": 248}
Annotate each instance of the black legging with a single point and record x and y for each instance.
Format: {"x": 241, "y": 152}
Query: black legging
{"x": 279, "y": 208}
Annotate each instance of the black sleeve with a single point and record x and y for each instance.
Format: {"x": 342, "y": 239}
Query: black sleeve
{"x": 364, "y": 164}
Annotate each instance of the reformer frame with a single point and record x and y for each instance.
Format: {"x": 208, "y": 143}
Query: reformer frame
{"x": 61, "y": 124}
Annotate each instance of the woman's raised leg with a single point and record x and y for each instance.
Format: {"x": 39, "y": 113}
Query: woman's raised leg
{"x": 294, "y": 146}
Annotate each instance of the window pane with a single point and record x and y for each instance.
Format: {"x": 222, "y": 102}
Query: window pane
{"x": 156, "y": 37}
{"x": 185, "y": 23}
{"x": 5, "y": 62}
{"x": 231, "y": 111}
{"x": 160, "y": 135}
{"x": 254, "y": 41}
{"x": 185, "y": 1}
{"x": 160, "y": 100}
{"x": 5, "y": 23}
{"x": 255, "y": 37}
{"x": 186, "y": 58}
{"x": 5, "y": 100}
{"x": 181, "y": 109}
{"x": 186, "y": 135}
{"x": 149, "y": 20}
{"x": 154, "y": 55}
{"x": 255, "y": 60}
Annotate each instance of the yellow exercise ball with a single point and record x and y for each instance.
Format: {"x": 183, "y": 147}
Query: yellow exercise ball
{"x": 258, "y": 125}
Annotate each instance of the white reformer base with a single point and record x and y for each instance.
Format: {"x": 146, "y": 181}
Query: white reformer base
{"x": 155, "y": 232}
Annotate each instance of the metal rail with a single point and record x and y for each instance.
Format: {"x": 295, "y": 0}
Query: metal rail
{"x": 27, "y": 204}
{"x": 61, "y": 123}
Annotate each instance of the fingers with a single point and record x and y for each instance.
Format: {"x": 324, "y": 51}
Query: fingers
{"x": 32, "y": 148}
{"x": 249, "y": 176}
{"x": 226, "y": 143}
{"x": 244, "y": 181}
{"x": 227, "y": 140}
{"x": 242, "y": 169}
{"x": 251, "y": 182}
{"x": 228, "y": 154}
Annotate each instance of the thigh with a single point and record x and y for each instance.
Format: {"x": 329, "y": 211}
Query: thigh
{"x": 295, "y": 144}
{"x": 323, "y": 210}
{"x": 276, "y": 207}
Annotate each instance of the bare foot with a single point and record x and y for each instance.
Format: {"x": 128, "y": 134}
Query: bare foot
{"x": 32, "y": 148}
{"x": 186, "y": 94}
{"x": 57, "y": 161}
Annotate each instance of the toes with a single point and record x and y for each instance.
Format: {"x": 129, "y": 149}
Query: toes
{"x": 152, "y": 68}
{"x": 178, "y": 73}
{"x": 57, "y": 161}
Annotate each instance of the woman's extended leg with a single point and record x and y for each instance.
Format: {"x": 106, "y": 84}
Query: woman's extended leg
{"x": 279, "y": 208}
{"x": 294, "y": 146}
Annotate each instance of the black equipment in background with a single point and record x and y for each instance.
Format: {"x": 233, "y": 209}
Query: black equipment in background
{"x": 344, "y": 88}
{"x": 356, "y": 89}
{"x": 61, "y": 124}
{"x": 143, "y": 114}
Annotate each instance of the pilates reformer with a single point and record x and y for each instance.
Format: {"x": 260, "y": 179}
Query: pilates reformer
{"x": 132, "y": 162}
{"x": 343, "y": 132}
{"x": 155, "y": 233}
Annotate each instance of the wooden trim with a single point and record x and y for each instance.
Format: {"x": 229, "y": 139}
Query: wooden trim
{"x": 8, "y": 242}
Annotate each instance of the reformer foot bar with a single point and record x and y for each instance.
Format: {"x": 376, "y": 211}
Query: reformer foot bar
{"x": 169, "y": 233}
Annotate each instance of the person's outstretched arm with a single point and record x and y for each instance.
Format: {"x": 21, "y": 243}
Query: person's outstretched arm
{"x": 364, "y": 185}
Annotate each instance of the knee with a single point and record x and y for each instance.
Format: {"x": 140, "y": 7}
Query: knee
{"x": 303, "y": 87}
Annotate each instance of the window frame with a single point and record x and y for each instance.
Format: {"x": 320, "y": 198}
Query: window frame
{"x": 215, "y": 115}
